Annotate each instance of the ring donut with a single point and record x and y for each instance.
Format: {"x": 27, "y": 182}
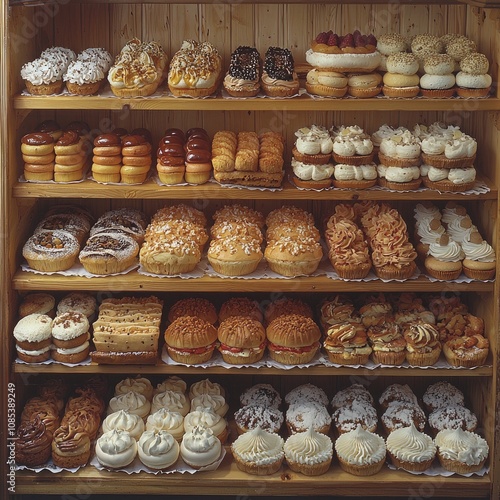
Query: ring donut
{"x": 71, "y": 159}
{"x": 138, "y": 150}
{"x": 106, "y": 169}
{"x": 198, "y": 156}
{"x": 137, "y": 161}
{"x": 107, "y": 150}
{"x": 107, "y": 160}
{"x": 171, "y": 161}
{"x": 68, "y": 144}
{"x": 37, "y": 143}
{"x": 33, "y": 167}
{"x": 67, "y": 168}
{"x": 134, "y": 170}
{"x": 39, "y": 159}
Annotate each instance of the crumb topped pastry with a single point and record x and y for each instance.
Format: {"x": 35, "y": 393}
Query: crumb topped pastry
{"x": 452, "y": 417}
{"x": 304, "y": 414}
{"x": 251, "y": 416}
{"x": 243, "y": 76}
{"x": 262, "y": 395}
{"x": 278, "y": 76}
{"x": 306, "y": 392}
{"x": 401, "y": 414}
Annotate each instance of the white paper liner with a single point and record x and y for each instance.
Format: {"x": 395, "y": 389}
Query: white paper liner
{"x": 251, "y": 188}
{"x": 23, "y": 180}
{"x": 54, "y": 362}
{"x": 261, "y": 95}
{"x": 437, "y": 470}
{"x": 50, "y": 466}
{"x": 179, "y": 466}
{"x": 78, "y": 270}
{"x": 160, "y": 183}
{"x": 119, "y": 183}
{"x": 198, "y": 272}
{"x": 461, "y": 279}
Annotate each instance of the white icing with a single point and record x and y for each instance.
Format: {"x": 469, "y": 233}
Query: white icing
{"x": 410, "y": 445}
{"x": 200, "y": 447}
{"x": 309, "y": 447}
{"x": 259, "y": 447}
{"x": 116, "y": 449}
{"x": 307, "y": 172}
{"x": 33, "y": 328}
{"x": 360, "y": 447}
{"x": 122, "y": 420}
{"x": 158, "y": 449}
{"x": 463, "y": 446}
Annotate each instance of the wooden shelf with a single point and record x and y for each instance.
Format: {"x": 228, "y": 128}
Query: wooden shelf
{"x": 229, "y": 480}
{"x": 163, "y": 369}
{"x": 150, "y": 190}
{"x": 14, "y": 3}
{"x": 302, "y": 103}
{"x": 136, "y": 282}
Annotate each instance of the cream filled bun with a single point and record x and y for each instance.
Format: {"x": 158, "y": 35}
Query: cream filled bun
{"x": 400, "y": 80}
{"x": 326, "y": 83}
{"x": 364, "y": 85}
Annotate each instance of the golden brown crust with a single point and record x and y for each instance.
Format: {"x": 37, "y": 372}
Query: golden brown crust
{"x": 293, "y": 330}
{"x": 324, "y": 90}
{"x": 241, "y": 331}
{"x": 190, "y": 332}
{"x": 124, "y": 358}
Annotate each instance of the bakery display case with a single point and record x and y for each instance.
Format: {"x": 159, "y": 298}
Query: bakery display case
{"x": 27, "y": 28}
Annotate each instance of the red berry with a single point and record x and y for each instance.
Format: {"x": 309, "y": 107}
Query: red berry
{"x": 371, "y": 40}
{"x": 333, "y": 40}
{"x": 322, "y": 38}
{"x": 348, "y": 41}
{"x": 356, "y": 33}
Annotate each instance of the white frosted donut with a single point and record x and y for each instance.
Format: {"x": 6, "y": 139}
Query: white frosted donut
{"x": 475, "y": 64}
{"x": 473, "y": 81}
{"x": 391, "y": 43}
{"x": 439, "y": 64}
{"x": 437, "y": 82}
{"x": 402, "y": 63}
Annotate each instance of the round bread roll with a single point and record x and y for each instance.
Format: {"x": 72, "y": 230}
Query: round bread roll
{"x": 242, "y": 340}
{"x": 364, "y": 85}
{"x": 240, "y": 306}
{"x": 190, "y": 340}
{"x": 475, "y": 64}
{"x": 293, "y": 339}
{"x": 193, "y": 306}
{"x": 439, "y": 64}
{"x": 391, "y": 43}
{"x": 402, "y": 63}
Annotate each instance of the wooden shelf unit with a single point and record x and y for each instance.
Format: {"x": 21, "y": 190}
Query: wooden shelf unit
{"x": 110, "y": 23}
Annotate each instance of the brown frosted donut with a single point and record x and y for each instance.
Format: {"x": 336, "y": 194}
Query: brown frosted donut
{"x": 107, "y": 160}
{"x": 170, "y": 132}
{"x": 107, "y": 140}
{"x": 107, "y": 151}
{"x": 37, "y": 143}
{"x": 171, "y": 139}
{"x": 39, "y": 159}
{"x": 198, "y": 156}
{"x": 137, "y": 161}
{"x": 50, "y": 127}
{"x": 81, "y": 128}
{"x": 144, "y": 132}
{"x": 171, "y": 161}
{"x": 138, "y": 150}
{"x": 197, "y": 143}
{"x": 120, "y": 132}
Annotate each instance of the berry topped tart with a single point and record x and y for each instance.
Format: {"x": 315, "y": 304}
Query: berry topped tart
{"x": 243, "y": 76}
{"x": 349, "y": 53}
{"x": 279, "y": 78}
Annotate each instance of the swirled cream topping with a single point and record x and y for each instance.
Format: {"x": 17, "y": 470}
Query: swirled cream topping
{"x": 463, "y": 146}
{"x": 158, "y": 449}
{"x": 98, "y": 55}
{"x": 218, "y": 403}
{"x": 259, "y": 447}
{"x": 421, "y": 335}
{"x": 205, "y": 417}
{"x": 122, "y": 420}
{"x": 481, "y": 252}
{"x": 313, "y": 140}
{"x": 133, "y": 402}
{"x": 114, "y": 443}
{"x": 384, "y": 131}
{"x": 309, "y": 447}
{"x": 352, "y": 140}
{"x": 429, "y": 234}
{"x": 344, "y": 172}
{"x": 449, "y": 252}
{"x": 426, "y": 213}
{"x": 308, "y": 172}
{"x": 82, "y": 72}
{"x": 172, "y": 383}
{"x": 433, "y": 145}
{"x": 41, "y": 72}
{"x": 360, "y": 447}
{"x": 410, "y": 445}
{"x": 166, "y": 420}
{"x": 140, "y": 385}
{"x": 461, "y": 175}
{"x": 398, "y": 174}
{"x": 402, "y": 144}
{"x": 200, "y": 447}
{"x": 205, "y": 386}
{"x": 464, "y": 446}
{"x": 174, "y": 401}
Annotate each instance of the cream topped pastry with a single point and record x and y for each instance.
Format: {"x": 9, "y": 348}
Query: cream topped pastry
{"x": 411, "y": 449}
{"x": 218, "y": 403}
{"x": 344, "y": 172}
{"x": 402, "y": 144}
{"x": 309, "y": 452}
{"x": 41, "y": 72}
{"x": 206, "y": 417}
{"x": 98, "y": 55}
{"x": 166, "y": 420}
{"x": 200, "y": 447}
{"x": 307, "y": 171}
{"x": 173, "y": 401}
{"x": 82, "y": 72}
{"x": 446, "y": 250}
{"x": 135, "y": 403}
{"x": 172, "y": 383}
{"x": 77, "y": 301}
{"x": 116, "y": 449}
{"x": 360, "y": 452}
{"x": 158, "y": 449}
{"x": 140, "y": 385}
{"x": 313, "y": 140}
{"x": 258, "y": 451}
{"x": 205, "y": 386}
{"x": 122, "y": 420}
{"x": 351, "y": 140}
{"x": 461, "y": 451}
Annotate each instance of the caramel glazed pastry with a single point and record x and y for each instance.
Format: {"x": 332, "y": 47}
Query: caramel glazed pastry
{"x": 195, "y": 70}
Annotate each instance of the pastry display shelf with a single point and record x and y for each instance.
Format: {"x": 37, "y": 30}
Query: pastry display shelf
{"x": 163, "y": 369}
{"x": 135, "y": 282}
{"x": 229, "y": 480}
{"x": 213, "y": 191}
{"x": 302, "y": 103}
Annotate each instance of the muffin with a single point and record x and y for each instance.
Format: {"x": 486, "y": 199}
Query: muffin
{"x": 422, "y": 344}
{"x": 441, "y": 395}
{"x": 452, "y": 417}
{"x": 410, "y": 449}
{"x": 261, "y": 394}
{"x": 355, "y": 392}
{"x": 249, "y": 417}
{"x": 397, "y": 393}
{"x": 300, "y": 416}
{"x": 348, "y": 418}
{"x": 399, "y": 415}
{"x": 306, "y": 392}
{"x": 461, "y": 451}
{"x": 360, "y": 452}
{"x": 467, "y": 351}
{"x": 309, "y": 452}
{"x": 258, "y": 452}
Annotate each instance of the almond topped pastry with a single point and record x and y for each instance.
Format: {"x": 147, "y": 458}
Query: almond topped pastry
{"x": 138, "y": 69}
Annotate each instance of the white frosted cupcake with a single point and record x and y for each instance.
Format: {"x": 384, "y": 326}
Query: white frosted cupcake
{"x": 135, "y": 403}
{"x": 206, "y": 387}
{"x": 258, "y": 452}
{"x": 461, "y": 451}
{"x": 309, "y": 452}
{"x": 122, "y": 420}
{"x": 172, "y": 383}
{"x": 116, "y": 449}
{"x": 173, "y": 401}
{"x": 140, "y": 385}
{"x": 166, "y": 420}
{"x": 206, "y": 417}
{"x": 360, "y": 452}
{"x": 200, "y": 447}
{"x": 218, "y": 403}
{"x": 411, "y": 449}
{"x": 158, "y": 449}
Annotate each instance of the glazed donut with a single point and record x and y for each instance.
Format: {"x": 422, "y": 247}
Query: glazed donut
{"x": 137, "y": 150}
{"x": 200, "y": 156}
{"x": 67, "y": 168}
{"x": 107, "y": 151}
{"x": 71, "y": 159}
{"x": 137, "y": 161}
{"x": 50, "y": 127}
{"x": 120, "y": 132}
{"x": 170, "y": 169}
{"x": 143, "y": 132}
{"x": 81, "y": 128}
{"x": 134, "y": 170}
{"x": 171, "y": 132}
{"x": 171, "y": 139}
{"x": 197, "y": 143}
{"x": 69, "y": 143}
{"x": 106, "y": 169}
{"x": 39, "y": 159}
{"x": 171, "y": 161}
{"x": 107, "y": 160}
{"x": 198, "y": 167}
{"x": 33, "y": 167}
{"x": 196, "y": 132}
{"x": 37, "y": 143}
{"x": 107, "y": 140}
{"x": 75, "y": 175}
